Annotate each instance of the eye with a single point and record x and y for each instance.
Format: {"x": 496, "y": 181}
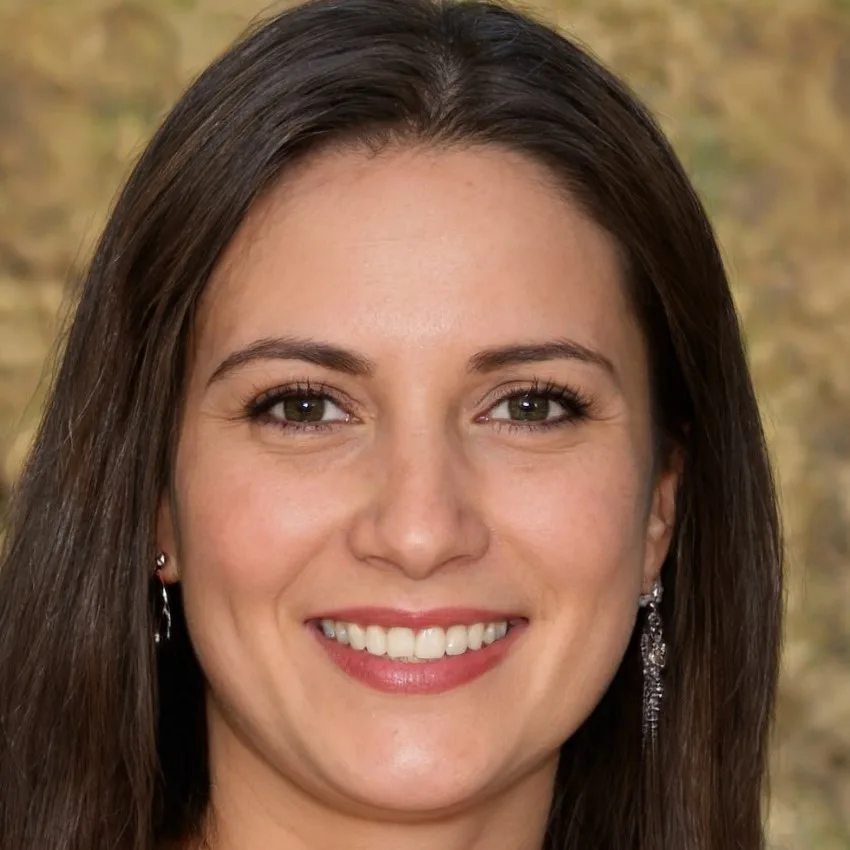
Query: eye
{"x": 306, "y": 409}
{"x": 298, "y": 407}
{"x": 528, "y": 407}
{"x": 539, "y": 407}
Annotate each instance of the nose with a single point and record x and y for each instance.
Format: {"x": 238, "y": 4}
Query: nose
{"x": 421, "y": 515}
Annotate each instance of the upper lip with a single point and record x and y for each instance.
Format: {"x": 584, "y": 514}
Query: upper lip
{"x": 443, "y": 617}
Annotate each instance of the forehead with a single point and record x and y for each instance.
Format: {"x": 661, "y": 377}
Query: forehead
{"x": 419, "y": 249}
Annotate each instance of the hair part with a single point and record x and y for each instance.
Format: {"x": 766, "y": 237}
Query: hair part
{"x": 102, "y": 742}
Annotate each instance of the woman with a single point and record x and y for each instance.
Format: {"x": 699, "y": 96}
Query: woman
{"x": 407, "y": 383}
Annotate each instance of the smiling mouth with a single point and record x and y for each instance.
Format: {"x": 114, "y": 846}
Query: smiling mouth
{"x": 416, "y": 646}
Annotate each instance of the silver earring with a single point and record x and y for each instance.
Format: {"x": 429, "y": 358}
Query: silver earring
{"x": 161, "y": 635}
{"x": 653, "y": 652}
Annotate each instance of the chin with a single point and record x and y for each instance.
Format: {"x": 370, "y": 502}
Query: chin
{"x": 415, "y": 795}
{"x": 415, "y": 779}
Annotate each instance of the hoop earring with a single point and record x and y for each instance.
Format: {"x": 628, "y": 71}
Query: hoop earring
{"x": 653, "y": 652}
{"x": 161, "y": 635}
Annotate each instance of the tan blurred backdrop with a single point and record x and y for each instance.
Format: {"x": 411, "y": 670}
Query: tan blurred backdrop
{"x": 755, "y": 95}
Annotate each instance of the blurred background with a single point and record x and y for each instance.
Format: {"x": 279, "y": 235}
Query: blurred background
{"x": 755, "y": 95}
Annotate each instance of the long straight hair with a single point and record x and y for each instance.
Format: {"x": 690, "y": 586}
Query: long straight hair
{"x": 102, "y": 741}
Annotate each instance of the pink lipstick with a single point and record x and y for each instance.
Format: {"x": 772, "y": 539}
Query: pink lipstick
{"x": 454, "y": 646}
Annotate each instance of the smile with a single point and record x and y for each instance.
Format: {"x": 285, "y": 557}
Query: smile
{"x": 420, "y": 656}
{"x": 405, "y": 644}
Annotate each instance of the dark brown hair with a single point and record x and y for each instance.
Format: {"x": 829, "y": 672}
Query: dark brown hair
{"x": 102, "y": 741}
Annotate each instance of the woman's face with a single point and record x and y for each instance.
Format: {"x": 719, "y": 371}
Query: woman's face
{"x": 418, "y": 407}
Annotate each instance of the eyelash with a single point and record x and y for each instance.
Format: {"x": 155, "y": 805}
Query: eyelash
{"x": 577, "y": 406}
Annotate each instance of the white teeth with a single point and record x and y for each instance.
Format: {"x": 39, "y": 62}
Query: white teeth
{"x": 430, "y": 643}
{"x": 356, "y": 636}
{"x": 401, "y": 643}
{"x": 376, "y": 640}
{"x": 456, "y": 640}
{"x": 425, "y": 645}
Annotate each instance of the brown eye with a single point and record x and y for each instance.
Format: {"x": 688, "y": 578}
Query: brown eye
{"x": 528, "y": 407}
{"x": 539, "y": 407}
{"x": 305, "y": 409}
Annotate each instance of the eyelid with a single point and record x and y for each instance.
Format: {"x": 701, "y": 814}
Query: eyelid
{"x": 300, "y": 387}
{"x": 550, "y": 389}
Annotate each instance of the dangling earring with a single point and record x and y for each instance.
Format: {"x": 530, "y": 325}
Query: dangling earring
{"x": 653, "y": 652}
{"x": 161, "y": 636}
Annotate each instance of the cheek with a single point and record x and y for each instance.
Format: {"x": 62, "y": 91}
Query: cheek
{"x": 250, "y": 520}
{"x": 582, "y": 514}
{"x": 577, "y": 530}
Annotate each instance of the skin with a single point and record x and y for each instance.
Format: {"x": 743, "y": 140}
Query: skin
{"x": 427, "y": 491}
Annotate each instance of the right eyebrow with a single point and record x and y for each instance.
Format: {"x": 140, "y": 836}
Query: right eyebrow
{"x": 293, "y": 348}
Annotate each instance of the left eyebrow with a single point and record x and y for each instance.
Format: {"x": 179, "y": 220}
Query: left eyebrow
{"x": 492, "y": 359}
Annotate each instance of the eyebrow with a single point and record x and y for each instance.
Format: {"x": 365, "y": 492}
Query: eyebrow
{"x": 492, "y": 359}
{"x": 349, "y": 362}
{"x": 291, "y": 348}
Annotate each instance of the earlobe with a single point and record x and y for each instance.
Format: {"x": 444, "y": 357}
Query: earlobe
{"x": 661, "y": 522}
{"x": 166, "y": 543}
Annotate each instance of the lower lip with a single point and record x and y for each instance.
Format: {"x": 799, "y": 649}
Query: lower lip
{"x": 426, "y": 677}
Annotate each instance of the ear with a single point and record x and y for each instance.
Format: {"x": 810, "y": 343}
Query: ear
{"x": 166, "y": 540}
{"x": 662, "y": 519}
